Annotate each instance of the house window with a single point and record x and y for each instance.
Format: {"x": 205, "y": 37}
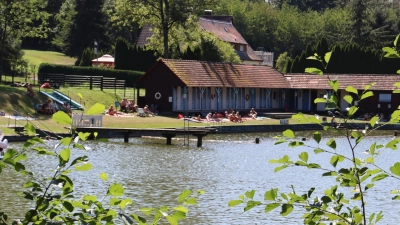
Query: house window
{"x": 385, "y": 97}
{"x": 241, "y": 48}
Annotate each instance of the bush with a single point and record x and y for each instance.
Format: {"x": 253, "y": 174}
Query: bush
{"x": 130, "y": 77}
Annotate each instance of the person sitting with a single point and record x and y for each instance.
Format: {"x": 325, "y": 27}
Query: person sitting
{"x": 147, "y": 110}
{"x": 29, "y": 90}
{"x": 45, "y": 108}
{"x": 208, "y": 117}
{"x": 66, "y": 109}
{"x": 112, "y": 111}
{"x": 198, "y": 118}
{"x": 124, "y": 105}
{"x": 131, "y": 106}
{"x": 53, "y": 107}
{"x": 238, "y": 117}
{"x": 253, "y": 113}
{"x": 381, "y": 117}
{"x": 153, "y": 109}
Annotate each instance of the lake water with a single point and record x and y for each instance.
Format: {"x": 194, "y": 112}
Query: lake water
{"x": 225, "y": 167}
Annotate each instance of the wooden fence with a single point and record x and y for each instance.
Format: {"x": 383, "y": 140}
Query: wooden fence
{"x": 79, "y": 80}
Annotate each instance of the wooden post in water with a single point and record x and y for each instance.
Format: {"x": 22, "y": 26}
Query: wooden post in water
{"x": 126, "y": 137}
{"x": 199, "y": 139}
{"x": 169, "y": 137}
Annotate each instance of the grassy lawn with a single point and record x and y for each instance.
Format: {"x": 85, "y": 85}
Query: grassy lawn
{"x": 37, "y": 57}
{"x": 16, "y": 98}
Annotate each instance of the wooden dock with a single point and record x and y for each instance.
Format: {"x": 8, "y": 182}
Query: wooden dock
{"x": 168, "y": 133}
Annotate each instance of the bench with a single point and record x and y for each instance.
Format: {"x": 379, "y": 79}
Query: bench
{"x": 79, "y": 120}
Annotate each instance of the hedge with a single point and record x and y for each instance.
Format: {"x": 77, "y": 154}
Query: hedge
{"x": 129, "y": 76}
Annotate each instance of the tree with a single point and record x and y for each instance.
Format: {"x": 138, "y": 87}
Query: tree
{"x": 162, "y": 15}
{"x": 18, "y": 19}
{"x": 87, "y": 57}
{"x": 80, "y": 23}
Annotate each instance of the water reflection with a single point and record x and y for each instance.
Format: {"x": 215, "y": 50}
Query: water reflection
{"x": 226, "y": 166}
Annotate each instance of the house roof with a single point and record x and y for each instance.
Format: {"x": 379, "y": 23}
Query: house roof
{"x": 358, "y": 81}
{"x": 223, "y": 28}
{"x": 144, "y": 34}
{"x": 214, "y": 74}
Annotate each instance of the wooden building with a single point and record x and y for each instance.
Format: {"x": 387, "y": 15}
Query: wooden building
{"x": 196, "y": 86}
{"x": 304, "y": 88}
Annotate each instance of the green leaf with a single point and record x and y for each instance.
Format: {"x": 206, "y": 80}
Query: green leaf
{"x": 331, "y": 143}
{"x": 271, "y": 195}
{"x": 66, "y": 141}
{"x": 317, "y": 136}
{"x": 320, "y": 100}
{"x": 334, "y": 160}
{"x": 392, "y": 144}
{"x": 30, "y": 129}
{"x": 314, "y": 71}
{"x": 286, "y": 209}
{"x": 313, "y": 58}
{"x": 288, "y": 133}
{"x": 334, "y": 85}
{"x": 191, "y": 201}
{"x": 84, "y": 167}
{"x": 379, "y": 177}
{"x": 64, "y": 155}
{"x": 348, "y": 99}
{"x": 125, "y": 202}
{"x": 395, "y": 169}
{"x": 233, "y": 203}
{"x": 103, "y": 176}
{"x": 389, "y": 50}
{"x": 181, "y": 209}
{"x": 304, "y": 156}
{"x": 373, "y": 121}
{"x": 327, "y": 57}
{"x": 367, "y": 95}
{"x": 171, "y": 220}
{"x": 296, "y": 144}
{"x": 68, "y": 206}
{"x": 83, "y": 136}
{"x": 271, "y": 207}
{"x": 351, "y": 89}
{"x": 80, "y": 96}
{"x": 279, "y": 168}
{"x": 92, "y": 198}
{"x": 251, "y": 204}
{"x": 280, "y": 142}
{"x": 96, "y": 109}
{"x": 250, "y": 194}
{"x": 184, "y": 195}
{"x": 318, "y": 150}
{"x": 116, "y": 190}
{"x": 396, "y": 40}
{"x": 62, "y": 118}
{"x": 352, "y": 110}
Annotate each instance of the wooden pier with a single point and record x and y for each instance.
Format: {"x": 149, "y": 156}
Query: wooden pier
{"x": 168, "y": 133}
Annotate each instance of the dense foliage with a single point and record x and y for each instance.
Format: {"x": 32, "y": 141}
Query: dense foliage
{"x": 132, "y": 57}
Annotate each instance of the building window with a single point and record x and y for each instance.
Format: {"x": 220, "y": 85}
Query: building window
{"x": 241, "y": 48}
{"x": 385, "y": 97}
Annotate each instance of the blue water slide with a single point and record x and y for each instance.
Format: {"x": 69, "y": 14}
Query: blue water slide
{"x": 60, "y": 98}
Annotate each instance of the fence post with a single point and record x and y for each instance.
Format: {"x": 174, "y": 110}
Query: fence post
{"x": 115, "y": 86}
{"x": 91, "y": 83}
{"x": 101, "y": 83}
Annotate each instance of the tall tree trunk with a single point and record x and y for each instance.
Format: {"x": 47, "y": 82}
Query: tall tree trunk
{"x": 165, "y": 27}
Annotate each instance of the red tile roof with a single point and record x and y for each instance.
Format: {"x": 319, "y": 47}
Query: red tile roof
{"x": 144, "y": 34}
{"x": 222, "y": 27}
{"x": 215, "y": 74}
{"x": 358, "y": 81}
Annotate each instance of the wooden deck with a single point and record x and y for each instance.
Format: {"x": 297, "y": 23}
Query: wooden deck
{"x": 168, "y": 133}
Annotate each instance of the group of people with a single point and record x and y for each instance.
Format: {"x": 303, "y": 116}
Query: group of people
{"x": 368, "y": 116}
{"x": 49, "y": 107}
{"x": 233, "y": 117}
{"x": 128, "y": 105}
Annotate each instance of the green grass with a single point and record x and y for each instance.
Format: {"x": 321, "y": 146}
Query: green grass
{"x": 35, "y": 57}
